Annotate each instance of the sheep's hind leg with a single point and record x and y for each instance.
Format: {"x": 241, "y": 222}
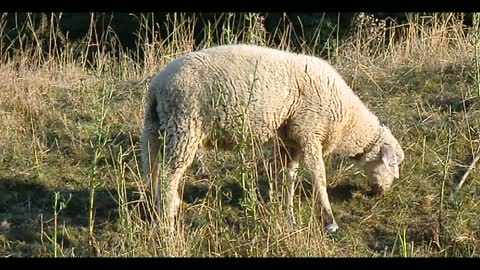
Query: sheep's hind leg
{"x": 151, "y": 142}
{"x": 179, "y": 157}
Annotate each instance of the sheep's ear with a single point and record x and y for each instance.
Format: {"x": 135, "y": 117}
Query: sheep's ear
{"x": 390, "y": 159}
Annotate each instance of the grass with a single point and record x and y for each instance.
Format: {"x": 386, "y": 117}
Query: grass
{"x": 71, "y": 116}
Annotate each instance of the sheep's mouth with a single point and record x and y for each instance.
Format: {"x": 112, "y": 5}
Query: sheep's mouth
{"x": 376, "y": 190}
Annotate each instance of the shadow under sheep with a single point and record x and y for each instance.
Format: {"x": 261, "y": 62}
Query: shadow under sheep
{"x": 25, "y": 203}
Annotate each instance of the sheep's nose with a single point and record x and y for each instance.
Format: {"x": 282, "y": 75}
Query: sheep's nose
{"x": 378, "y": 190}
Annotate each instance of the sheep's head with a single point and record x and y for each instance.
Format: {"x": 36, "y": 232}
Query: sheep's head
{"x": 381, "y": 163}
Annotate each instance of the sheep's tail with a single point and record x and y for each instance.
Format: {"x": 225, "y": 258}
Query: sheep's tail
{"x": 150, "y": 143}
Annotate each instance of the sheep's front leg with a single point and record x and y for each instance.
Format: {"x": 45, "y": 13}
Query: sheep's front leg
{"x": 314, "y": 163}
{"x": 291, "y": 176}
{"x": 202, "y": 168}
{"x": 290, "y": 156}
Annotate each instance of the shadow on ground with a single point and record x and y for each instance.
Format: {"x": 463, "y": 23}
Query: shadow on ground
{"x": 26, "y": 206}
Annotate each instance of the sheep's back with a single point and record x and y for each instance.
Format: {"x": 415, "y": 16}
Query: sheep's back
{"x": 231, "y": 88}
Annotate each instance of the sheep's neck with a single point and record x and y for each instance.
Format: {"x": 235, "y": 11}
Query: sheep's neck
{"x": 360, "y": 134}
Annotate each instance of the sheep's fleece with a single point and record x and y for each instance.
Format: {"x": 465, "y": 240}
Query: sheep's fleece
{"x": 215, "y": 96}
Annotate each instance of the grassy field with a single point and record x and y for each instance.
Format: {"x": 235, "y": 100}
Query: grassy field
{"x": 71, "y": 116}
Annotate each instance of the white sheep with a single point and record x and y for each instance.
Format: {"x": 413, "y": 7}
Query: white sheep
{"x": 210, "y": 96}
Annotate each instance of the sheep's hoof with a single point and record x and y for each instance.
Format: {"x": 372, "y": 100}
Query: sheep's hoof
{"x": 291, "y": 221}
{"x": 332, "y": 228}
{"x": 202, "y": 173}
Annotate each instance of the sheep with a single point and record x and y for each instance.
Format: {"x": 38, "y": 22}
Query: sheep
{"x": 206, "y": 96}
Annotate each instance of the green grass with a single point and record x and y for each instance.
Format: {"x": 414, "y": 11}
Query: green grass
{"x": 69, "y": 149}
